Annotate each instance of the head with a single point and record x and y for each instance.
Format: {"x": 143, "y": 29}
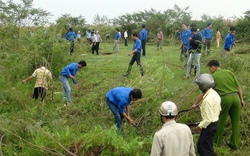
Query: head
{"x": 135, "y": 94}
{"x": 70, "y": 29}
{"x": 143, "y": 26}
{"x": 205, "y": 82}
{"x": 209, "y": 25}
{"x": 213, "y": 65}
{"x": 193, "y": 30}
{"x": 168, "y": 111}
{"x": 192, "y": 25}
{"x": 82, "y": 64}
{"x": 79, "y": 32}
{"x": 117, "y": 30}
{"x": 232, "y": 30}
{"x": 134, "y": 36}
{"x": 159, "y": 29}
{"x": 97, "y": 32}
{"x": 92, "y": 33}
{"x": 184, "y": 26}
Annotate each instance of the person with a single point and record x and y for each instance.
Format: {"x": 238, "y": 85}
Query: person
{"x": 118, "y": 100}
{"x": 69, "y": 72}
{"x": 136, "y": 52}
{"x": 117, "y": 40}
{"x": 143, "y": 38}
{"x": 98, "y": 40}
{"x": 229, "y": 42}
{"x": 94, "y": 43}
{"x": 78, "y": 36}
{"x": 173, "y": 139}
{"x": 208, "y": 38}
{"x": 71, "y": 37}
{"x": 88, "y": 36}
{"x": 218, "y": 38}
{"x": 126, "y": 37}
{"x": 184, "y": 42}
{"x": 227, "y": 86}
{"x": 107, "y": 36}
{"x": 159, "y": 37}
{"x": 210, "y": 110}
{"x": 41, "y": 85}
{"x": 178, "y": 34}
{"x": 199, "y": 32}
{"x": 194, "y": 53}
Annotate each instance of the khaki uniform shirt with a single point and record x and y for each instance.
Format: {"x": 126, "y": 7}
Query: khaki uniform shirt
{"x": 41, "y": 75}
{"x": 174, "y": 139}
{"x": 210, "y": 108}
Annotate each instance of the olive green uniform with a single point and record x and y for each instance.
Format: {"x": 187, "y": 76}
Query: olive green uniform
{"x": 226, "y": 86}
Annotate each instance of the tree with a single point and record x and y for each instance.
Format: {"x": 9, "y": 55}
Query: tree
{"x": 100, "y": 21}
{"x": 66, "y": 20}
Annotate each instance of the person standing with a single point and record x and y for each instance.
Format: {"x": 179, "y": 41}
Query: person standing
{"x": 194, "y": 53}
{"x": 159, "y": 37}
{"x": 229, "y": 42}
{"x": 208, "y": 38}
{"x": 143, "y": 38}
{"x": 186, "y": 33}
{"x": 218, "y": 38}
{"x": 69, "y": 72}
{"x": 227, "y": 86}
{"x": 210, "y": 110}
{"x": 71, "y": 37}
{"x": 126, "y": 37}
{"x": 98, "y": 40}
{"x": 88, "y": 36}
{"x": 173, "y": 139}
{"x": 94, "y": 43}
{"x": 41, "y": 85}
{"x": 117, "y": 40}
{"x": 118, "y": 99}
{"x": 79, "y": 36}
{"x": 136, "y": 52}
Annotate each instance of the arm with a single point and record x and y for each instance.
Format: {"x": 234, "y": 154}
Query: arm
{"x": 241, "y": 97}
{"x": 128, "y": 110}
{"x": 29, "y": 78}
{"x": 128, "y": 118}
{"x": 51, "y": 82}
{"x": 198, "y": 100}
{"x": 156, "y": 149}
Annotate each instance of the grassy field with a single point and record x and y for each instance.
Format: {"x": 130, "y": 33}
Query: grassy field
{"x": 30, "y": 127}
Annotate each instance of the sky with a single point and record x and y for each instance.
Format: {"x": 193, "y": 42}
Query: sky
{"x": 115, "y": 8}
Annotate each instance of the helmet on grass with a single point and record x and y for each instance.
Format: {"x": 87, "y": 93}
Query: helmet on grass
{"x": 204, "y": 81}
{"x": 168, "y": 108}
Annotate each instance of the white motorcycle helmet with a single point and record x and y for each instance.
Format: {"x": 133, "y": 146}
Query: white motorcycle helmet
{"x": 168, "y": 108}
{"x": 205, "y": 81}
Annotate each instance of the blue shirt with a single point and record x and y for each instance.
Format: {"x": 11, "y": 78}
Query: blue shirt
{"x": 199, "y": 33}
{"x": 120, "y": 97}
{"x": 88, "y": 34}
{"x": 185, "y": 35}
{"x": 137, "y": 45}
{"x": 71, "y": 36}
{"x": 229, "y": 41}
{"x": 143, "y": 34}
{"x": 117, "y": 36}
{"x": 208, "y": 34}
{"x": 72, "y": 68}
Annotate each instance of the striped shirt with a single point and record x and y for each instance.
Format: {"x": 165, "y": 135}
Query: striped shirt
{"x": 41, "y": 75}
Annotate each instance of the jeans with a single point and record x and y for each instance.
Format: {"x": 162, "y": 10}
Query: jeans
{"x": 197, "y": 58}
{"x": 66, "y": 87}
{"x": 116, "y": 46}
{"x": 118, "y": 116}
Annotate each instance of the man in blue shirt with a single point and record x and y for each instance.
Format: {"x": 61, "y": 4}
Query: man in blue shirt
{"x": 229, "y": 42}
{"x": 185, "y": 42}
{"x": 71, "y": 37}
{"x": 143, "y": 38}
{"x": 118, "y": 99}
{"x": 117, "y": 40}
{"x": 136, "y": 52}
{"x": 69, "y": 72}
{"x": 208, "y": 38}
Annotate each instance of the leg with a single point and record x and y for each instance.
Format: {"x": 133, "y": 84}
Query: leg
{"x": 185, "y": 47}
{"x": 36, "y": 93}
{"x": 143, "y": 47}
{"x": 197, "y": 65}
{"x": 72, "y": 47}
{"x": 132, "y": 61}
{"x": 93, "y": 48}
{"x": 138, "y": 61}
{"x": 66, "y": 87}
{"x": 97, "y": 47}
{"x": 42, "y": 92}
{"x": 208, "y": 46}
{"x": 204, "y": 45}
{"x": 189, "y": 63}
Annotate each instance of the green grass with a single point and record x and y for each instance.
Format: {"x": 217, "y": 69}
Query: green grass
{"x": 30, "y": 127}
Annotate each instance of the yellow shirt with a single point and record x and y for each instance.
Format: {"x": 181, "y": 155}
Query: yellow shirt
{"x": 41, "y": 75}
{"x": 210, "y": 108}
{"x": 174, "y": 139}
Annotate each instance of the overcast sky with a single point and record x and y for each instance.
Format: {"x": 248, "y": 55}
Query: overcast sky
{"x": 115, "y": 8}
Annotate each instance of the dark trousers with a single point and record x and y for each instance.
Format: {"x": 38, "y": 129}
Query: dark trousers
{"x": 39, "y": 91}
{"x": 205, "y": 141}
{"x": 143, "y": 45}
{"x": 207, "y": 46}
{"x": 126, "y": 42}
{"x": 72, "y": 44}
{"x": 93, "y": 48}
{"x": 136, "y": 57}
{"x": 97, "y": 47}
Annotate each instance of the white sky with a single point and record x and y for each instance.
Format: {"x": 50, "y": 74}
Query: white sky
{"x": 115, "y": 8}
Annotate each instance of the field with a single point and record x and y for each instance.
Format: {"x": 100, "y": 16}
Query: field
{"x": 86, "y": 127}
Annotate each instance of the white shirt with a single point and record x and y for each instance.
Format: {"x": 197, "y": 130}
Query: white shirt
{"x": 125, "y": 34}
{"x": 94, "y": 38}
{"x": 174, "y": 139}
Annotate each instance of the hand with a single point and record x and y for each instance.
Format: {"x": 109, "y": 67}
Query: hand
{"x": 77, "y": 86}
{"x": 197, "y": 130}
{"x": 130, "y": 121}
{"x": 242, "y": 103}
{"x": 23, "y": 81}
{"x": 72, "y": 77}
{"x": 190, "y": 38}
{"x": 129, "y": 54}
{"x": 194, "y": 106}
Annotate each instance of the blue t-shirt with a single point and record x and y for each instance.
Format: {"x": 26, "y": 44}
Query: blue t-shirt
{"x": 72, "y": 68}
{"x": 208, "y": 34}
{"x": 229, "y": 41}
{"x": 71, "y": 36}
{"x": 143, "y": 34}
{"x": 117, "y": 36}
{"x": 120, "y": 97}
{"x": 185, "y": 35}
{"x": 137, "y": 45}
